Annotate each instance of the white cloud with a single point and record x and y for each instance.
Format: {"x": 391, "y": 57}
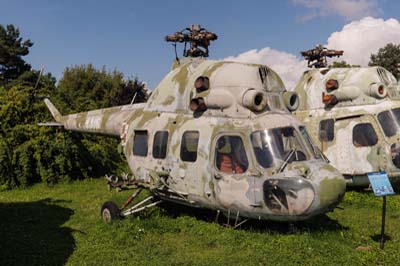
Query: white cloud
{"x": 288, "y": 66}
{"x": 349, "y": 9}
{"x": 358, "y": 39}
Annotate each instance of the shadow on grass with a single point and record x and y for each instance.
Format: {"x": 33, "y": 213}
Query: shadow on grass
{"x": 318, "y": 223}
{"x": 378, "y": 237}
{"x": 31, "y": 233}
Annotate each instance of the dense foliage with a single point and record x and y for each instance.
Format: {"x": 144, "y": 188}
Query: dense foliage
{"x": 30, "y": 153}
{"x": 389, "y": 58}
{"x": 341, "y": 64}
{"x": 84, "y": 88}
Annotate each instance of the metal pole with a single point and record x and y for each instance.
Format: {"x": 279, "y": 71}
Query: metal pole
{"x": 383, "y": 222}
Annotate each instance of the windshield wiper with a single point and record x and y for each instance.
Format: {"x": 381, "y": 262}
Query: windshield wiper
{"x": 286, "y": 160}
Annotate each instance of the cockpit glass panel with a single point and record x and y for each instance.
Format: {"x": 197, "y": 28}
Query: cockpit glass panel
{"x": 310, "y": 144}
{"x": 272, "y": 147}
{"x": 390, "y": 121}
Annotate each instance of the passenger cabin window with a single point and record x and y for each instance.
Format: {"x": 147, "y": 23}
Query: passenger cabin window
{"x": 140, "y": 143}
{"x": 364, "y": 135}
{"x": 231, "y": 155}
{"x": 189, "y": 144}
{"x": 390, "y": 121}
{"x": 160, "y": 144}
{"x": 326, "y": 130}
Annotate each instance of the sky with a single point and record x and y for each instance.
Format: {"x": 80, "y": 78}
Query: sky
{"x": 129, "y": 35}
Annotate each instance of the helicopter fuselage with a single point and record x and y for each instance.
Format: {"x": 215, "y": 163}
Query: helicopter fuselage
{"x": 357, "y": 127}
{"x": 225, "y": 143}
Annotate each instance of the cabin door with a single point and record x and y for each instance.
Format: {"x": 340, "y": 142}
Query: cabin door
{"x": 191, "y": 167}
{"x": 233, "y": 183}
{"x": 356, "y": 146}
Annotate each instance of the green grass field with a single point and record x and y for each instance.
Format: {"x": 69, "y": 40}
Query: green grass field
{"x": 61, "y": 225}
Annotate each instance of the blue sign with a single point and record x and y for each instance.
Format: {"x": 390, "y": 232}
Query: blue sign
{"x": 380, "y": 184}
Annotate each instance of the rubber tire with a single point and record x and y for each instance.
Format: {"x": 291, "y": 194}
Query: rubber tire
{"x": 110, "y": 212}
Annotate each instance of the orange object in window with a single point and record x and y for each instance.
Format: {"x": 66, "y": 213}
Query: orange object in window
{"x": 229, "y": 165}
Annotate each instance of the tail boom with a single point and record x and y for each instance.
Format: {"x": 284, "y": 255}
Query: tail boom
{"x": 106, "y": 121}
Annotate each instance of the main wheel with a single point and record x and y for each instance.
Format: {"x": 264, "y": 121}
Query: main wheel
{"x": 110, "y": 212}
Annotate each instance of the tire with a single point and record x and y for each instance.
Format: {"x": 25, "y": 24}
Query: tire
{"x": 110, "y": 212}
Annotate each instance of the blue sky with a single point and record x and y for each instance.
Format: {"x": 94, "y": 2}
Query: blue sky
{"x": 129, "y": 35}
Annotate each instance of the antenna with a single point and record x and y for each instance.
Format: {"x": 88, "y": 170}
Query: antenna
{"x": 33, "y": 93}
{"x": 40, "y": 75}
{"x": 198, "y": 38}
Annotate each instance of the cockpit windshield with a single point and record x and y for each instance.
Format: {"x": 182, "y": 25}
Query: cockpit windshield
{"x": 273, "y": 147}
{"x": 390, "y": 121}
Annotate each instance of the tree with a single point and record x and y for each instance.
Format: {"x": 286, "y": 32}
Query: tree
{"x": 30, "y": 153}
{"x": 133, "y": 90}
{"x": 389, "y": 58}
{"x": 341, "y": 64}
{"x": 84, "y": 88}
{"x": 12, "y": 49}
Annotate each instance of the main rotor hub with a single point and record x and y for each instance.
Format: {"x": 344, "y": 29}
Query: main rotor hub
{"x": 198, "y": 38}
{"x": 317, "y": 57}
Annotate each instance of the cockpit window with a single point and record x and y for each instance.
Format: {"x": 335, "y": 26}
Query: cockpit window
{"x": 274, "y": 146}
{"x": 390, "y": 121}
{"x": 310, "y": 144}
{"x": 231, "y": 155}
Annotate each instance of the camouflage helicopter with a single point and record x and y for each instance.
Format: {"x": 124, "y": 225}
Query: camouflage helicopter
{"x": 216, "y": 135}
{"x": 353, "y": 114}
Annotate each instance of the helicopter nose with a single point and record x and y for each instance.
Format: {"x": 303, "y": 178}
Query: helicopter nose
{"x": 332, "y": 187}
{"x": 289, "y": 196}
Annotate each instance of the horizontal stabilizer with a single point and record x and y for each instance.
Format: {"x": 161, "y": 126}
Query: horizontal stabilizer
{"x": 51, "y": 124}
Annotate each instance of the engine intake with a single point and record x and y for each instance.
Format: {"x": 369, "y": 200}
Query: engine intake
{"x": 291, "y": 100}
{"x": 254, "y": 100}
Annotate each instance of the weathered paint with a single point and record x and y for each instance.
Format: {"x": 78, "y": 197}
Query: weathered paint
{"x": 357, "y": 105}
{"x": 200, "y": 183}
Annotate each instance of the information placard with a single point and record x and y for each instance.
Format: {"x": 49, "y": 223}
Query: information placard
{"x": 380, "y": 184}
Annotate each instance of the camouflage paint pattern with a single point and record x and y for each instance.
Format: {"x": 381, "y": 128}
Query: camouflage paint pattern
{"x": 358, "y": 103}
{"x": 318, "y": 186}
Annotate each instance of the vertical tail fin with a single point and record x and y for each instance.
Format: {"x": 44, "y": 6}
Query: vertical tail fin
{"x": 53, "y": 110}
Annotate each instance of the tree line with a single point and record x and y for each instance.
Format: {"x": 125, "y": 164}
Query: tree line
{"x": 30, "y": 153}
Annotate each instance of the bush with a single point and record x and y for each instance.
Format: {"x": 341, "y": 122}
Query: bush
{"x": 30, "y": 153}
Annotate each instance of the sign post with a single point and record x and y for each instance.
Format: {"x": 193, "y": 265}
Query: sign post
{"x": 381, "y": 186}
{"x": 383, "y": 222}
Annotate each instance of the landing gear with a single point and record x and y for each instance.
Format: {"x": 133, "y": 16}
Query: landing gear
{"x": 238, "y": 221}
{"x": 110, "y": 211}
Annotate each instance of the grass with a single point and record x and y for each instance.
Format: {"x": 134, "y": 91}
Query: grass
{"x": 61, "y": 225}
